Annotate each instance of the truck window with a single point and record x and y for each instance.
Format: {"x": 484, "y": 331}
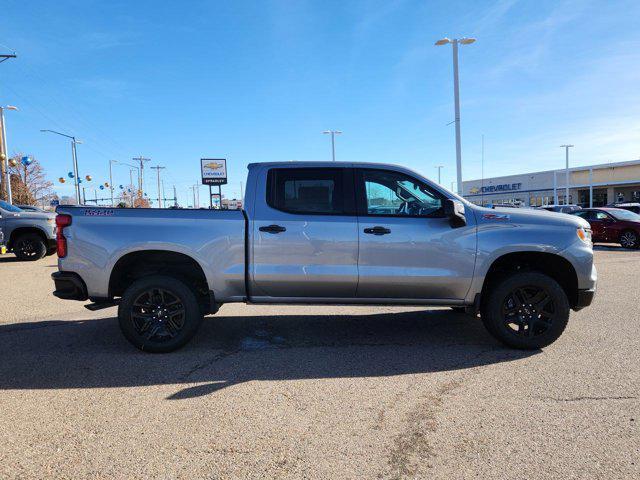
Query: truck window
{"x": 318, "y": 191}
{"x": 396, "y": 194}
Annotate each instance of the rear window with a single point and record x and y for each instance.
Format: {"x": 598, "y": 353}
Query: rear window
{"x": 318, "y": 191}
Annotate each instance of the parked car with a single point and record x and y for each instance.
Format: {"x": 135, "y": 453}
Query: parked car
{"x": 312, "y": 233}
{"x": 561, "y": 208}
{"x": 613, "y": 225}
{"x": 632, "y": 207}
{"x": 29, "y": 235}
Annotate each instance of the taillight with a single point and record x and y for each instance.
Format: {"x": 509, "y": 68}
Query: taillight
{"x": 61, "y": 242}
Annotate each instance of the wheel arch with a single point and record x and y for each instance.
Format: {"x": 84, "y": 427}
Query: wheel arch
{"x": 142, "y": 263}
{"x": 551, "y": 264}
{"x": 17, "y": 232}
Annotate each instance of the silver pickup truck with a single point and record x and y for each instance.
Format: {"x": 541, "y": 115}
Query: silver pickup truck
{"x": 328, "y": 233}
{"x": 29, "y": 235}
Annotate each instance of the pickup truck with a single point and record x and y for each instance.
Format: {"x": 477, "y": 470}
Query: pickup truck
{"x": 30, "y": 235}
{"x": 328, "y": 233}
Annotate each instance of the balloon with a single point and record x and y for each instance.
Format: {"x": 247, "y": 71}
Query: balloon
{"x": 62, "y": 180}
{"x": 121, "y": 187}
{"x": 106, "y": 184}
{"x": 26, "y": 161}
{"x": 13, "y": 162}
{"x": 101, "y": 187}
{"x": 89, "y": 178}
{"x": 79, "y": 180}
{"x": 71, "y": 175}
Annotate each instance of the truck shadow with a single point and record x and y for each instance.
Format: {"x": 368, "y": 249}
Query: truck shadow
{"x": 231, "y": 350}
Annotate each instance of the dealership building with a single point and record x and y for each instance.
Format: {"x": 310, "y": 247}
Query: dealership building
{"x": 593, "y": 185}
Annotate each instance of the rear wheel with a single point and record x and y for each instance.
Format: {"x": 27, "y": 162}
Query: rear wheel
{"x": 629, "y": 239}
{"x": 159, "y": 313}
{"x": 526, "y": 310}
{"x": 29, "y": 247}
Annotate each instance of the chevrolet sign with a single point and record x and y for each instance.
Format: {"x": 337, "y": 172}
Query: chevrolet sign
{"x": 504, "y": 187}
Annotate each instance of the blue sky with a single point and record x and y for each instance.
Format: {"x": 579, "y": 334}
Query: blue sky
{"x": 260, "y": 80}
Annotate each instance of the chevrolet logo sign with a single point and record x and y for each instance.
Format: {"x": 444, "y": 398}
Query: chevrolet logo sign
{"x": 213, "y": 165}
{"x": 474, "y": 190}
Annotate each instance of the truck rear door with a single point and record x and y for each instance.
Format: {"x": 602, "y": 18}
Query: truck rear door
{"x": 304, "y": 234}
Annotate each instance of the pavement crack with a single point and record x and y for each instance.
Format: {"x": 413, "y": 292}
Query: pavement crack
{"x": 586, "y": 398}
{"x": 202, "y": 365}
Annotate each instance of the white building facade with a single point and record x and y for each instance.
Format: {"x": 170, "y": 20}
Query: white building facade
{"x": 593, "y": 185}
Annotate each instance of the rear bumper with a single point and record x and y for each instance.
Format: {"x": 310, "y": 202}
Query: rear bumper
{"x": 585, "y": 297}
{"x": 69, "y": 286}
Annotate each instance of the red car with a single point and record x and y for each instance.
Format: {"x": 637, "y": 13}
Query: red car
{"x": 613, "y": 225}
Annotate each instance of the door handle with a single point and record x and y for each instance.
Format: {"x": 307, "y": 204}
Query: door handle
{"x": 377, "y": 231}
{"x": 273, "y": 229}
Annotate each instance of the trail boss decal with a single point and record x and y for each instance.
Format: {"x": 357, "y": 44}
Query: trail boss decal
{"x": 98, "y": 212}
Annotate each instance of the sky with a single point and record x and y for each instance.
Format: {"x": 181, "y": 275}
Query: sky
{"x": 254, "y": 81}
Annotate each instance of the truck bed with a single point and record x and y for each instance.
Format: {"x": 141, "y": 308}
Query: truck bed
{"x": 98, "y": 238}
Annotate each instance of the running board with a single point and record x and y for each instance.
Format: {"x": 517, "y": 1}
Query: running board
{"x": 100, "y": 305}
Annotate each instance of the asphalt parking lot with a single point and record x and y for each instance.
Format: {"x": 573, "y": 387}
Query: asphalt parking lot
{"x": 318, "y": 392}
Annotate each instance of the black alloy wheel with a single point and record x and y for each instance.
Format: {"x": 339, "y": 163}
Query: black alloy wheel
{"x": 526, "y": 310}
{"x": 159, "y": 313}
{"x": 29, "y": 247}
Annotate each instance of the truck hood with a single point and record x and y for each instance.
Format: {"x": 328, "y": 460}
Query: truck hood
{"x": 529, "y": 216}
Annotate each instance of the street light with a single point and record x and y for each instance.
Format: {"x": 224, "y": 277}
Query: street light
{"x": 333, "y": 143}
{"x": 566, "y": 173}
{"x": 74, "y": 156}
{"x": 439, "y": 167}
{"x": 456, "y": 94}
{"x": 4, "y": 153}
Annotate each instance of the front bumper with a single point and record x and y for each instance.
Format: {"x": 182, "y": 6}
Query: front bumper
{"x": 69, "y": 286}
{"x": 585, "y": 297}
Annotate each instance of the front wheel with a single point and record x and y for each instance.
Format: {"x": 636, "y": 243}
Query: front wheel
{"x": 159, "y": 313}
{"x": 526, "y": 310}
{"x": 629, "y": 239}
{"x": 29, "y": 247}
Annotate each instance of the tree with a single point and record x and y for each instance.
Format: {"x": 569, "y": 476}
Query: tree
{"x": 29, "y": 184}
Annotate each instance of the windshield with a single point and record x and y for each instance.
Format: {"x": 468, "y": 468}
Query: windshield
{"x": 8, "y": 207}
{"x": 625, "y": 215}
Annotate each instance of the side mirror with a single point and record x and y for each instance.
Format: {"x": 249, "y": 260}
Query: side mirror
{"x": 454, "y": 209}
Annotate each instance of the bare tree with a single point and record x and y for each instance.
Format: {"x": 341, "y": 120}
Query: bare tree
{"x": 29, "y": 183}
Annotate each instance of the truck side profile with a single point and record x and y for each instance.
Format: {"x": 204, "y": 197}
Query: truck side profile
{"x": 29, "y": 235}
{"x": 328, "y": 233}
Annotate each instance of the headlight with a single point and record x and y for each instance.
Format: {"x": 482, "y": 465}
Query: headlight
{"x": 584, "y": 234}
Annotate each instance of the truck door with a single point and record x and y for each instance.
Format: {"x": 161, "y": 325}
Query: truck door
{"x": 304, "y": 234}
{"x": 408, "y": 249}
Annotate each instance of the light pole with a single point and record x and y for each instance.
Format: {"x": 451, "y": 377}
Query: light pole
{"x": 4, "y": 153}
{"x": 456, "y": 95}
{"x": 74, "y": 156}
{"x": 333, "y": 141}
{"x": 439, "y": 167}
{"x": 566, "y": 173}
{"x": 111, "y": 162}
{"x": 130, "y": 175}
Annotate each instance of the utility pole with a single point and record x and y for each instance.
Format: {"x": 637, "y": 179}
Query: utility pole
{"x": 141, "y": 159}
{"x": 157, "y": 168}
{"x": 333, "y": 142}
{"x": 566, "y": 173}
{"x": 439, "y": 167}
{"x": 456, "y": 96}
{"x": 175, "y": 197}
